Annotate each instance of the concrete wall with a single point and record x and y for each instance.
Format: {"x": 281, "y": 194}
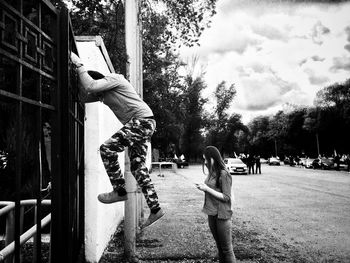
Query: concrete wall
{"x": 101, "y": 220}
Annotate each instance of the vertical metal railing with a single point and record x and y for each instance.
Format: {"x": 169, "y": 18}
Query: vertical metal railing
{"x": 35, "y": 41}
{"x": 68, "y": 195}
{"x": 25, "y": 48}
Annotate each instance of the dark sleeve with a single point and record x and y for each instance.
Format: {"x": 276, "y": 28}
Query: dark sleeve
{"x": 226, "y": 184}
{"x": 89, "y": 97}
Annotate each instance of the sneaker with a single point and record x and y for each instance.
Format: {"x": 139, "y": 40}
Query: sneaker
{"x": 111, "y": 197}
{"x": 153, "y": 218}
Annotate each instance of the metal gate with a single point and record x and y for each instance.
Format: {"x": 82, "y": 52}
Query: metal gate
{"x": 41, "y": 136}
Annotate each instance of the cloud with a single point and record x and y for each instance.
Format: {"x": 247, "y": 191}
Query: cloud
{"x": 260, "y": 68}
{"x": 254, "y": 68}
{"x": 347, "y": 47}
{"x": 302, "y": 62}
{"x": 340, "y": 63}
{"x": 242, "y": 72}
{"x": 275, "y": 51}
{"x": 270, "y": 32}
{"x": 263, "y": 91}
{"x": 238, "y": 45}
{"x": 318, "y": 31}
{"x": 260, "y": 94}
{"x": 314, "y": 79}
{"x": 317, "y": 58}
{"x": 347, "y": 31}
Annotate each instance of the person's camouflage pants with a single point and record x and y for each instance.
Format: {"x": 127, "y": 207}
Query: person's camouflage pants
{"x": 135, "y": 134}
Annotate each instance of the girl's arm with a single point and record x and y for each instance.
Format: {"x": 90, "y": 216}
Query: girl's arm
{"x": 226, "y": 184}
{"x": 216, "y": 194}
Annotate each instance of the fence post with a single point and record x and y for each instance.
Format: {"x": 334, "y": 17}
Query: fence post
{"x": 134, "y": 73}
{"x": 10, "y": 232}
{"x": 130, "y": 226}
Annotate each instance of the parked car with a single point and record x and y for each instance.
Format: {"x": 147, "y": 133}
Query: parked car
{"x": 302, "y": 161}
{"x": 307, "y": 162}
{"x": 286, "y": 160}
{"x": 263, "y": 160}
{"x": 343, "y": 165}
{"x": 236, "y": 166}
{"x": 323, "y": 163}
{"x": 181, "y": 162}
{"x": 273, "y": 161}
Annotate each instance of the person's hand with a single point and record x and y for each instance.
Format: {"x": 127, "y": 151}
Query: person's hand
{"x": 201, "y": 186}
{"x": 75, "y": 59}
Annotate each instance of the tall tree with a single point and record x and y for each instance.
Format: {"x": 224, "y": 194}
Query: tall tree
{"x": 223, "y": 127}
{"x": 258, "y": 136}
{"x": 192, "y": 143}
{"x": 224, "y": 96}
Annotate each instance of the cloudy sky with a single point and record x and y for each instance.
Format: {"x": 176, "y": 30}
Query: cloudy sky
{"x": 274, "y": 53}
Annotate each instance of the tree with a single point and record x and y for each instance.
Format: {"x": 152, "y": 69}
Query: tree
{"x": 185, "y": 19}
{"x": 224, "y": 96}
{"x": 334, "y": 116}
{"x": 312, "y": 124}
{"x": 337, "y": 95}
{"x": 105, "y": 19}
{"x": 258, "y": 138}
{"x": 278, "y": 130}
{"x": 223, "y": 128}
{"x": 193, "y": 142}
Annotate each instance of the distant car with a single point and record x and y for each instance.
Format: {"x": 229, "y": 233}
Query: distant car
{"x": 323, "y": 163}
{"x": 290, "y": 161}
{"x": 302, "y": 161}
{"x": 263, "y": 160}
{"x": 181, "y": 163}
{"x": 235, "y": 166}
{"x": 307, "y": 162}
{"x": 343, "y": 165}
{"x": 273, "y": 161}
{"x": 286, "y": 160}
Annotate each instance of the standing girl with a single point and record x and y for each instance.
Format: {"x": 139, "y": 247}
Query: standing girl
{"x": 218, "y": 202}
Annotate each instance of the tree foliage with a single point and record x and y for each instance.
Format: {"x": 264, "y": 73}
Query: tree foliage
{"x": 296, "y": 131}
{"x": 223, "y": 128}
{"x": 192, "y": 143}
{"x": 185, "y": 19}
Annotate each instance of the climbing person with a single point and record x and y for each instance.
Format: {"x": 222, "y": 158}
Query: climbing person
{"x": 218, "y": 202}
{"x": 138, "y": 127}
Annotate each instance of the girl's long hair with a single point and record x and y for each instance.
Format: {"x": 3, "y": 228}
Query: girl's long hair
{"x": 217, "y": 166}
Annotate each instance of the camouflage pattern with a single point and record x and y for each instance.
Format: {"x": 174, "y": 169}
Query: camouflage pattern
{"x": 135, "y": 134}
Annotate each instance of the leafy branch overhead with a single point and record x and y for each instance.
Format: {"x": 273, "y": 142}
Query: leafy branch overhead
{"x": 186, "y": 19}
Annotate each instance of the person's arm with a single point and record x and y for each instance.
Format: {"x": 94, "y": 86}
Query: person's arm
{"x": 89, "y": 97}
{"x": 226, "y": 183}
{"x": 203, "y": 187}
{"x": 89, "y": 84}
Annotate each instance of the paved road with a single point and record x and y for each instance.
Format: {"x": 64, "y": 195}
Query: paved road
{"x": 304, "y": 213}
{"x": 305, "y": 208}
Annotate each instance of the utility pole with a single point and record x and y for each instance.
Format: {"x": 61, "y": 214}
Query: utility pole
{"x": 318, "y": 144}
{"x": 134, "y": 73}
{"x": 276, "y": 147}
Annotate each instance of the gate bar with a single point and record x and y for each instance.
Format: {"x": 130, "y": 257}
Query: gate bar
{"x": 24, "y": 237}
